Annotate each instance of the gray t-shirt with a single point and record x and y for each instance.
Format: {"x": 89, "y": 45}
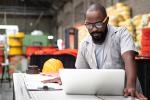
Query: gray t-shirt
{"x": 99, "y": 51}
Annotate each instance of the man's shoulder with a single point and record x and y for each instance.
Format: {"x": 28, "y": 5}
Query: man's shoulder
{"x": 118, "y": 30}
{"x": 117, "y": 33}
{"x": 85, "y": 42}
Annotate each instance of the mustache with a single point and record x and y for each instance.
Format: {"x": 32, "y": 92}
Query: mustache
{"x": 97, "y": 34}
{"x": 98, "y": 37}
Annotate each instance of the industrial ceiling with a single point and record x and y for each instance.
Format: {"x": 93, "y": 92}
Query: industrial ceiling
{"x": 31, "y": 7}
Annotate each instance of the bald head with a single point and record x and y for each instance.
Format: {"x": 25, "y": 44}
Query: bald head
{"x": 97, "y": 7}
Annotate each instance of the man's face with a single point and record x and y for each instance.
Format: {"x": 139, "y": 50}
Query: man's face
{"x": 97, "y": 26}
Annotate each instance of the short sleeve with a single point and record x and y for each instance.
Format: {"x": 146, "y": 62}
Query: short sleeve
{"x": 126, "y": 41}
{"x": 81, "y": 61}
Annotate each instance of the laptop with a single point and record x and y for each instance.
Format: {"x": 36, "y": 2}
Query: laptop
{"x": 93, "y": 81}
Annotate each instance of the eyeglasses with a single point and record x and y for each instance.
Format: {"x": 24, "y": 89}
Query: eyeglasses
{"x": 98, "y": 24}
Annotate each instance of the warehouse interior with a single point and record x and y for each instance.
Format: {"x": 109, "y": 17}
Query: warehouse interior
{"x": 33, "y": 31}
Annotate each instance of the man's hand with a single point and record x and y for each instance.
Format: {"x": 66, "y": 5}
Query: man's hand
{"x": 55, "y": 80}
{"x": 129, "y": 91}
{"x": 131, "y": 75}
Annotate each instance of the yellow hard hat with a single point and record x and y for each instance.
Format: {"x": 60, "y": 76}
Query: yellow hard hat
{"x": 52, "y": 65}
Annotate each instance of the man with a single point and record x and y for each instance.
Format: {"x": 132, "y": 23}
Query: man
{"x": 108, "y": 47}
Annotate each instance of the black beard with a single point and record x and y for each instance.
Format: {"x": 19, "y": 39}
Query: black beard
{"x": 98, "y": 37}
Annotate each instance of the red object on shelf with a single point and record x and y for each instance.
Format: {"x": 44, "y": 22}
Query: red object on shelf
{"x": 31, "y": 50}
{"x": 1, "y": 52}
{"x": 1, "y": 59}
{"x": 40, "y": 50}
{"x": 145, "y": 42}
{"x": 145, "y": 54}
{"x": 44, "y": 51}
{"x": 49, "y": 50}
{"x": 149, "y": 18}
{"x": 66, "y": 51}
{"x": 146, "y": 31}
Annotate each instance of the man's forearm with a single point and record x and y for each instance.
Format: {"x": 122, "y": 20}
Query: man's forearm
{"x": 131, "y": 74}
{"x": 130, "y": 68}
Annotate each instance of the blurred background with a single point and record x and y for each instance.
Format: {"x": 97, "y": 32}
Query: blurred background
{"x": 55, "y": 27}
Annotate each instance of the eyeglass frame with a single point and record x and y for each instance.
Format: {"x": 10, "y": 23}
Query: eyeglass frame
{"x": 94, "y": 24}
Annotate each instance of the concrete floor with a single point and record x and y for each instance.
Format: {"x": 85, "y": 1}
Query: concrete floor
{"x": 6, "y": 93}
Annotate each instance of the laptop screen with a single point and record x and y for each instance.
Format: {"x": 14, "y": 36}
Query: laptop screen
{"x": 93, "y": 81}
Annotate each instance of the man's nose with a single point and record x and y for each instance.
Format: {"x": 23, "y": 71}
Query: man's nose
{"x": 94, "y": 29}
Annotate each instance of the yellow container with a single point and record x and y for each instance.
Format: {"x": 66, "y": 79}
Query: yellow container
{"x": 17, "y": 35}
{"x": 15, "y": 51}
{"x": 15, "y": 42}
{"x": 15, "y": 39}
